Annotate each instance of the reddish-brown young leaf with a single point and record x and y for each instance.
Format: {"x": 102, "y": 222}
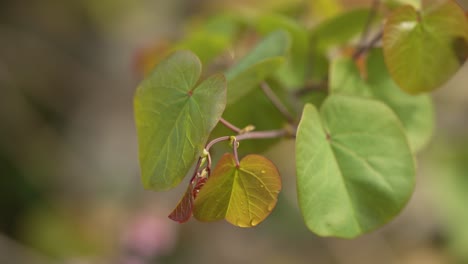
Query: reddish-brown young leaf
{"x": 184, "y": 208}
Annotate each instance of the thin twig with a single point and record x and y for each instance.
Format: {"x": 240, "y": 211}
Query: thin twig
{"x": 263, "y": 134}
{"x": 208, "y": 164}
{"x": 310, "y": 88}
{"x": 363, "y": 49}
{"x": 251, "y": 135}
{"x": 216, "y": 140}
{"x": 370, "y": 19}
{"x": 277, "y": 102}
{"x": 229, "y": 125}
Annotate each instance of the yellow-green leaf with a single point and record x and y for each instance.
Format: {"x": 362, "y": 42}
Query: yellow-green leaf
{"x": 244, "y": 195}
{"x": 420, "y": 48}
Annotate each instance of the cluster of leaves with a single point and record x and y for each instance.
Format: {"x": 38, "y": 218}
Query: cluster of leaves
{"x": 363, "y": 117}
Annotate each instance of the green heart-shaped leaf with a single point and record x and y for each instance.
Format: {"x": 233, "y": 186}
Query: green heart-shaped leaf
{"x": 355, "y": 170}
{"x": 261, "y": 62}
{"x": 420, "y": 48}
{"x": 415, "y": 112}
{"x": 243, "y": 195}
{"x": 174, "y": 118}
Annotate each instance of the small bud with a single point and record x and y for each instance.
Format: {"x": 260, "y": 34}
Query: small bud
{"x": 205, "y": 153}
{"x": 247, "y": 129}
{"x": 233, "y": 139}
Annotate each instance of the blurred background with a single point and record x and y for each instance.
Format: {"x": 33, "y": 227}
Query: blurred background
{"x": 70, "y": 190}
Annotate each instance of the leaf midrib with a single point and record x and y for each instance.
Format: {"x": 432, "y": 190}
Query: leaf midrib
{"x": 345, "y": 185}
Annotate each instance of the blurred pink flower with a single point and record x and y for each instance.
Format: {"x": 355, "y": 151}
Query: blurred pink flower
{"x": 148, "y": 235}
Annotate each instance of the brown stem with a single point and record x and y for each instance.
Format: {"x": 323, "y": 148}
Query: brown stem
{"x": 370, "y": 18}
{"x": 216, "y": 140}
{"x": 263, "y": 134}
{"x": 234, "y": 150}
{"x": 310, "y": 88}
{"x": 363, "y": 49}
{"x": 208, "y": 164}
{"x": 251, "y": 135}
{"x": 229, "y": 125}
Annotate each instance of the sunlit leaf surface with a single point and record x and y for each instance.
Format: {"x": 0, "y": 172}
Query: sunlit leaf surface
{"x": 243, "y": 195}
